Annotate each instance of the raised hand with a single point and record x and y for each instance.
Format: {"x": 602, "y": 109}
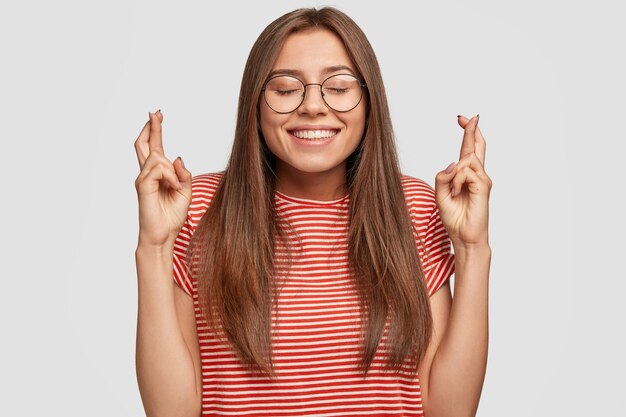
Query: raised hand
{"x": 163, "y": 188}
{"x": 462, "y": 190}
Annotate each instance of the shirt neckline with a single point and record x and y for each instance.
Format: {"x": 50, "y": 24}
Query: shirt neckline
{"x": 298, "y": 200}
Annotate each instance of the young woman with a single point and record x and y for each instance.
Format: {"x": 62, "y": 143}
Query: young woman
{"x": 311, "y": 276}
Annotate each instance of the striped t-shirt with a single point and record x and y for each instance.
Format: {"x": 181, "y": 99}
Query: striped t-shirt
{"x": 316, "y": 324}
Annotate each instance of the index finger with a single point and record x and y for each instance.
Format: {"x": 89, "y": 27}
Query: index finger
{"x": 469, "y": 142}
{"x": 156, "y": 140}
{"x": 141, "y": 144}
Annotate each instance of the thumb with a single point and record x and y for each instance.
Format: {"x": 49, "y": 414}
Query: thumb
{"x": 184, "y": 176}
{"x": 443, "y": 180}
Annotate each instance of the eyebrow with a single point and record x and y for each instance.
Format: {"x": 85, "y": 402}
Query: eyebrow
{"x": 325, "y": 71}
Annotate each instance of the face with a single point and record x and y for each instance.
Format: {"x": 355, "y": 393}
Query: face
{"x": 312, "y": 142}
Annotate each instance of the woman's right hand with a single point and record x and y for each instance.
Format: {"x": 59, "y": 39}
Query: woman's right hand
{"x": 163, "y": 188}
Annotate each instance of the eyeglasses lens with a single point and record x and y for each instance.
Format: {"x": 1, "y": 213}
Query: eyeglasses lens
{"x": 341, "y": 92}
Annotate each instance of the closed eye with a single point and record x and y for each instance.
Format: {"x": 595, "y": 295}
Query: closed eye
{"x": 286, "y": 92}
{"x": 336, "y": 90}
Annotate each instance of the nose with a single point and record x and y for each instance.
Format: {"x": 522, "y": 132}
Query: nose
{"x": 313, "y": 102}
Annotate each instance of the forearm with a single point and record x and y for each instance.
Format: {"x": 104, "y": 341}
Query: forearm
{"x": 165, "y": 370}
{"x": 458, "y": 368}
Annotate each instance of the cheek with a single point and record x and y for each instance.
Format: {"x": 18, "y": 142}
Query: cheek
{"x": 358, "y": 122}
{"x": 271, "y": 125}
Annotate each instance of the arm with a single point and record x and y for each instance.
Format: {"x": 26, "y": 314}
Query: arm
{"x": 453, "y": 370}
{"x": 458, "y": 356}
{"x": 167, "y": 355}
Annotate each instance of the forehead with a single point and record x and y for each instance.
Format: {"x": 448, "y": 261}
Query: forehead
{"x": 311, "y": 51}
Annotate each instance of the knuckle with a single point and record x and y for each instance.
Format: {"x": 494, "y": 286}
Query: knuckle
{"x": 157, "y": 169}
{"x": 139, "y": 181}
{"x": 466, "y": 170}
{"x": 167, "y": 172}
{"x": 137, "y": 146}
{"x": 150, "y": 170}
{"x": 165, "y": 163}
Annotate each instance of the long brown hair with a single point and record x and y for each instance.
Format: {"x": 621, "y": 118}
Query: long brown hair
{"x": 231, "y": 251}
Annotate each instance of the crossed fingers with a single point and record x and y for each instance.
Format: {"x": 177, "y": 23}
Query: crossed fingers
{"x": 470, "y": 169}
{"x": 150, "y": 154}
{"x": 473, "y": 140}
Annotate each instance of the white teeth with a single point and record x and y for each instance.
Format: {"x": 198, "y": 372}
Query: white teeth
{"x": 313, "y": 134}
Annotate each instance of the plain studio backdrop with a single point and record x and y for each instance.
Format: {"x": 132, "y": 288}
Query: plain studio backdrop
{"x": 78, "y": 79}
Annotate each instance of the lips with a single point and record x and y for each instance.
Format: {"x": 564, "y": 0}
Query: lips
{"x": 314, "y": 134}
{"x": 313, "y": 137}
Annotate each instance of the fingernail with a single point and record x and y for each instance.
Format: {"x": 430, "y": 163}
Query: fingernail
{"x": 459, "y": 115}
{"x": 450, "y": 168}
{"x": 158, "y": 111}
{"x": 477, "y": 117}
{"x": 182, "y": 162}
{"x": 149, "y": 115}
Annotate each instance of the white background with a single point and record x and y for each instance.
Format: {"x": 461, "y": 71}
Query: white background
{"x": 78, "y": 78}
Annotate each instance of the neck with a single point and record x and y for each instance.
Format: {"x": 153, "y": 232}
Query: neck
{"x": 322, "y": 186}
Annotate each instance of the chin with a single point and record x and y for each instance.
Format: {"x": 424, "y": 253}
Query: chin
{"x": 312, "y": 166}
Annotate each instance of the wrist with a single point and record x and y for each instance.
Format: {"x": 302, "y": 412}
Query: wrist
{"x": 164, "y": 250}
{"x": 472, "y": 248}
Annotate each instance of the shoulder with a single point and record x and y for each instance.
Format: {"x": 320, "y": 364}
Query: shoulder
{"x": 419, "y": 196}
{"x": 203, "y": 188}
{"x": 433, "y": 243}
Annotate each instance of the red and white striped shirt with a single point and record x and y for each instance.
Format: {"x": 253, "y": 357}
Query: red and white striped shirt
{"x": 316, "y": 326}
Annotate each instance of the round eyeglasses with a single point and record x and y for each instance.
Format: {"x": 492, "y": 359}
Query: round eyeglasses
{"x": 340, "y": 92}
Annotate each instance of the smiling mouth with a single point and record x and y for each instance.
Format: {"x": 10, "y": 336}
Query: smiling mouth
{"x": 314, "y": 134}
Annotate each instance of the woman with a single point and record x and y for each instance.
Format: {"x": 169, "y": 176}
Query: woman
{"x": 312, "y": 276}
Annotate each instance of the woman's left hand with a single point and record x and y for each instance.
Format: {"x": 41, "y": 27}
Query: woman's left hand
{"x": 462, "y": 195}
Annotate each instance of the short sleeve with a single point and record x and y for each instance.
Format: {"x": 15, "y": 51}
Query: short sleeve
{"x": 203, "y": 188}
{"x": 432, "y": 240}
{"x": 181, "y": 269}
{"x": 439, "y": 263}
